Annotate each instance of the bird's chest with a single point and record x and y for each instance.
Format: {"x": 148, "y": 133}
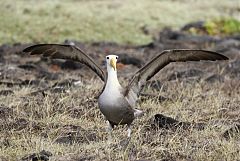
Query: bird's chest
{"x": 110, "y": 98}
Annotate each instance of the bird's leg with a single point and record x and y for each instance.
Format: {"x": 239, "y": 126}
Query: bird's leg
{"x": 129, "y": 130}
{"x": 138, "y": 113}
{"x": 109, "y": 129}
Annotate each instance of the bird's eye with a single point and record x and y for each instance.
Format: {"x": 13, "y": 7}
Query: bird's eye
{"x": 107, "y": 57}
{"x": 116, "y": 57}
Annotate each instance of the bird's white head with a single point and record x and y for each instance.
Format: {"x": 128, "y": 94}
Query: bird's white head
{"x": 111, "y": 61}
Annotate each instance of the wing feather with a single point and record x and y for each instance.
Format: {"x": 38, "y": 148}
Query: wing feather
{"x": 160, "y": 61}
{"x": 70, "y": 52}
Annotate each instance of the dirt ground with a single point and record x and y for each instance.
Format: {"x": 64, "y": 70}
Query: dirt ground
{"x": 48, "y": 108}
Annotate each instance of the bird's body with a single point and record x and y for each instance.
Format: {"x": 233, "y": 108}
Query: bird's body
{"x": 115, "y": 107}
{"x": 112, "y": 103}
{"x": 117, "y": 110}
{"x": 116, "y": 103}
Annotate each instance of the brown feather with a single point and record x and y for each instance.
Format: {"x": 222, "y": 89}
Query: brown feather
{"x": 163, "y": 59}
{"x": 70, "y": 52}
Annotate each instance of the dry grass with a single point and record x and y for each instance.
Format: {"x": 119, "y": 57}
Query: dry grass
{"x": 105, "y": 20}
{"x": 33, "y": 123}
{"x": 48, "y": 118}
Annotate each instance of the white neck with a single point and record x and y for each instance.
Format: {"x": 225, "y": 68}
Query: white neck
{"x": 112, "y": 80}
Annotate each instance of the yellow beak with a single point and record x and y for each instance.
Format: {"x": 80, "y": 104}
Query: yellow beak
{"x": 113, "y": 63}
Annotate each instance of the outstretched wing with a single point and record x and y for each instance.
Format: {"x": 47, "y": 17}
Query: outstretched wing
{"x": 70, "y": 52}
{"x": 160, "y": 61}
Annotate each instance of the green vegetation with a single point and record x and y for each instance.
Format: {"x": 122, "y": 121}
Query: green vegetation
{"x": 105, "y": 20}
{"x": 223, "y": 26}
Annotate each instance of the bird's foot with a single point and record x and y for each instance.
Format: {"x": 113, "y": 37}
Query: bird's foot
{"x": 109, "y": 130}
{"x": 129, "y": 131}
{"x": 138, "y": 113}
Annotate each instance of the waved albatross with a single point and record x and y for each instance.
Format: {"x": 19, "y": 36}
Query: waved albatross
{"x": 116, "y": 103}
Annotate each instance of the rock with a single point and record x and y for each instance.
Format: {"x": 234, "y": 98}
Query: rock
{"x": 28, "y": 66}
{"x": 199, "y": 25}
{"x": 150, "y": 45}
{"x": 41, "y": 156}
{"x": 126, "y": 59}
{"x": 67, "y": 64}
{"x": 166, "y": 122}
{"x": 169, "y": 34}
{"x": 69, "y": 42}
{"x": 161, "y": 121}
